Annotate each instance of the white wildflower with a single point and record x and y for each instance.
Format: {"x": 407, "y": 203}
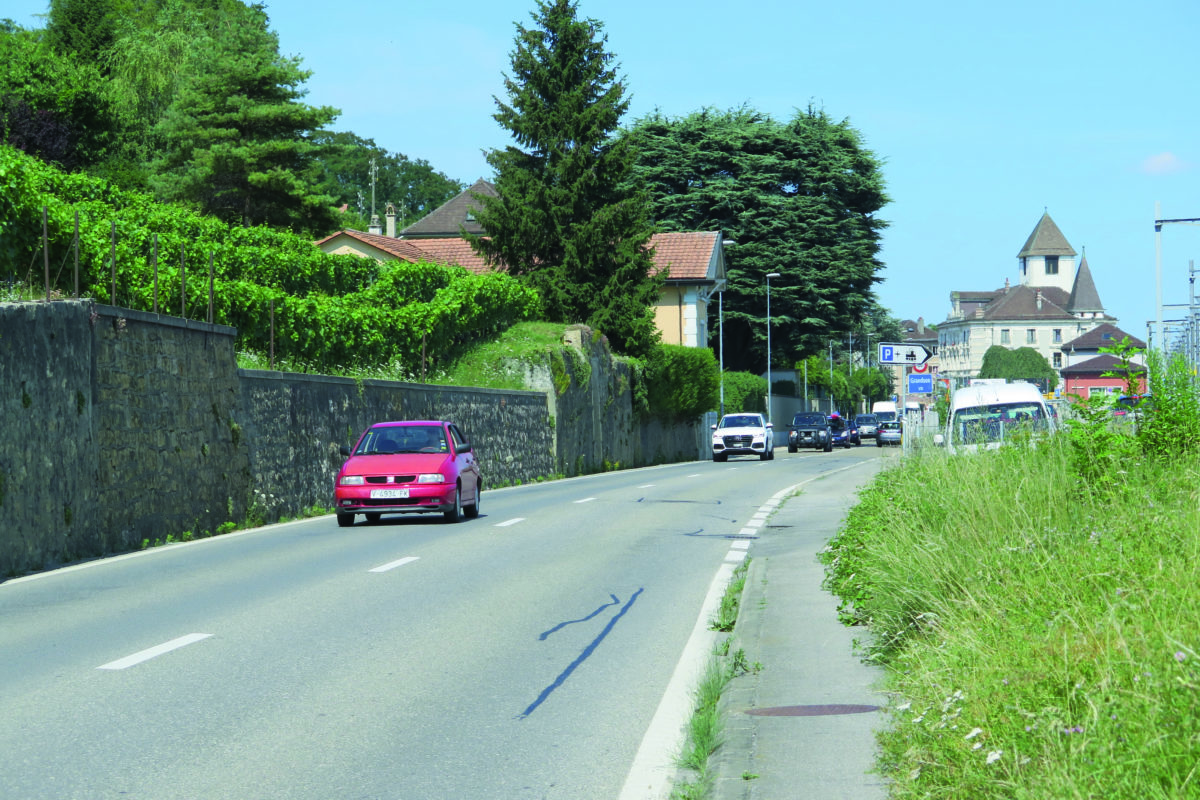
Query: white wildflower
{"x": 974, "y": 732}
{"x": 994, "y": 756}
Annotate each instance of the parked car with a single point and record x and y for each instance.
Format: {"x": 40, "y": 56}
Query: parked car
{"x": 809, "y": 429}
{"x": 987, "y": 414}
{"x": 840, "y": 430}
{"x": 742, "y": 434}
{"x": 868, "y": 425}
{"x": 890, "y": 433}
{"x": 408, "y": 467}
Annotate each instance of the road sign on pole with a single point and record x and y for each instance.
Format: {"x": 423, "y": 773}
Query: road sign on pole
{"x": 920, "y": 383}
{"x": 906, "y": 354}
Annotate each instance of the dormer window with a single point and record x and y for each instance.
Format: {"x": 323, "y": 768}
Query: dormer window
{"x": 470, "y": 215}
{"x": 1051, "y": 265}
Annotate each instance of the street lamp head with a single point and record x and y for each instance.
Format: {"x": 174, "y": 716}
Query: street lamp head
{"x": 772, "y": 274}
{"x": 727, "y": 242}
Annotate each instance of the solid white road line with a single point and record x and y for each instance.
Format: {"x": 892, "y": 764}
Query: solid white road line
{"x": 646, "y": 486}
{"x": 152, "y": 652}
{"x": 400, "y": 562}
{"x": 508, "y": 522}
{"x": 585, "y": 500}
{"x": 654, "y": 765}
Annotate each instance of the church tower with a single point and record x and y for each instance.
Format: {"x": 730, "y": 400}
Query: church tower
{"x": 1047, "y": 259}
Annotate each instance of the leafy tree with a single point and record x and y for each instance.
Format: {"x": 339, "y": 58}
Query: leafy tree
{"x": 1021, "y": 364}
{"x": 237, "y": 139}
{"x": 566, "y": 219}
{"x": 414, "y": 187}
{"x": 50, "y": 106}
{"x": 798, "y": 198}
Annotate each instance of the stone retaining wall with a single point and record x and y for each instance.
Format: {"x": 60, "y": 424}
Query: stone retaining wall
{"x": 123, "y": 426}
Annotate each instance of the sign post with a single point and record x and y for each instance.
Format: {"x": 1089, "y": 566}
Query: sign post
{"x": 899, "y": 354}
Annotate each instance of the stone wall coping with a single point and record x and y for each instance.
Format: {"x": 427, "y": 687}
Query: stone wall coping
{"x": 167, "y": 320}
{"x": 276, "y": 375}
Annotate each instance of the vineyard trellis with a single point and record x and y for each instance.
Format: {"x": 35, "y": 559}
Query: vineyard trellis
{"x": 278, "y": 289}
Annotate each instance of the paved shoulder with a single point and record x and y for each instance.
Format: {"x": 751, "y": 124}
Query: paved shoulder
{"x": 803, "y": 726}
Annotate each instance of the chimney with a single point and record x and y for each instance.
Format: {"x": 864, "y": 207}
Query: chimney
{"x": 1006, "y": 284}
{"x": 390, "y": 214}
{"x": 921, "y": 326}
{"x": 375, "y": 227}
{"x": 1039, "y": 299}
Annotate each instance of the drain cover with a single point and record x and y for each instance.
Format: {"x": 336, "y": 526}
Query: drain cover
{"x": 827, "y": 710}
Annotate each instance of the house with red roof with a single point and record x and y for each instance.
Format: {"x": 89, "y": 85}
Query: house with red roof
{"x": 694, "y": 262}
{"x": 1086, "y": 372}
{"x": 1054, "y": 303}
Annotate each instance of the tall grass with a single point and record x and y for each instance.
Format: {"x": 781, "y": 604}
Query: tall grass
{"x": 1042, "y": 632}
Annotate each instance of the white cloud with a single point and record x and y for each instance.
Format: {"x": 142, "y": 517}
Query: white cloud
{"x": 1166, "y": 163}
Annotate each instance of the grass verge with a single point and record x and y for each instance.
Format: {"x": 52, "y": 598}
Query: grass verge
{"x": 1041, "y": 631}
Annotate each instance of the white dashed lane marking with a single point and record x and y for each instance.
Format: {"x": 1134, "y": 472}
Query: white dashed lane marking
{"x": 400, "y": 562}
{"x": 152, "y": 652}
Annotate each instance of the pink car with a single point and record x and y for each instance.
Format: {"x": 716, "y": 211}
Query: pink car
{"x": 408, "y": 467}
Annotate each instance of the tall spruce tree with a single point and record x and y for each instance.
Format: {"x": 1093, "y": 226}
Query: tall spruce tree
{"x": 799, "y": 198}
{"x": 236, "y": 139}
{"x": 567, "y": 219}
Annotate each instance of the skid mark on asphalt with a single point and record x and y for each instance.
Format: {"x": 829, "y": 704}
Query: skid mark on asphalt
{"x": 583, "y": 656}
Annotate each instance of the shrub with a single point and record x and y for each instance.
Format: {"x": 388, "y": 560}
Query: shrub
{"x": 681, "y": 382}
{"x": 744, "y": 391}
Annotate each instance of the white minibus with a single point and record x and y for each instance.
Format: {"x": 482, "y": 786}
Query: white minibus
{"x": 989, "y": 414}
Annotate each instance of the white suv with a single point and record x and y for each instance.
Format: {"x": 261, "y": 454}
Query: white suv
{"x": 742, "y": 434}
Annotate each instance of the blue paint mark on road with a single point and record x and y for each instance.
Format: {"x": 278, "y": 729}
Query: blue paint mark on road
{"x": 587, "y": 651}
{"x": 562, "y": 625}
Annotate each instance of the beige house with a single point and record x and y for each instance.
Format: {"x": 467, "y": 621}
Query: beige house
{"x": 694, "y": 262}
{"x": 1054, "y": 302}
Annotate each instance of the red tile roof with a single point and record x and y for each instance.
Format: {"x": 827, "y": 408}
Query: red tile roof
{"x": 687, "y": 257}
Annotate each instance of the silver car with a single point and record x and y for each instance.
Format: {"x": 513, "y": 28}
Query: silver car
{"x": 889, "y": 433}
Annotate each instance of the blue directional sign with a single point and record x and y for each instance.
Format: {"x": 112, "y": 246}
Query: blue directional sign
{"x": 920, "y": 383}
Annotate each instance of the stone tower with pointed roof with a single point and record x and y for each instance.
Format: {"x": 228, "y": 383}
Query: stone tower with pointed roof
{"x": 1047, "y": 259}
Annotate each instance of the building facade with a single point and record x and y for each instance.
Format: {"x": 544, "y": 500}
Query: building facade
{"x": 1053, "y": 303}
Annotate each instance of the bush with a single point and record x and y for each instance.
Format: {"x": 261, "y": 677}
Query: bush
{"x": 744, "y": 391}
{"x": 681, "y": 382}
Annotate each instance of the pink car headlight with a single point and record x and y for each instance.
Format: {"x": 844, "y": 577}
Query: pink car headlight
{"x": 350, "y": 480}
{"x": 430, "y": 477}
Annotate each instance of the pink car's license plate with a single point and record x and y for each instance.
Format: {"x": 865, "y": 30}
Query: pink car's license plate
{"x": 389, "y": 494}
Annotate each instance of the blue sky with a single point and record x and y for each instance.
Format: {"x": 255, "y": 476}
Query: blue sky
{"x": 984, "y": 115}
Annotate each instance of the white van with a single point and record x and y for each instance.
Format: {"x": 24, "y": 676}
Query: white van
{"x": 988, "y": 414}
{"x": 885, "y": 410}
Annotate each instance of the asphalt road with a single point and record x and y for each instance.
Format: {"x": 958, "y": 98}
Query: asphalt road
{"x": 522, "y": 654}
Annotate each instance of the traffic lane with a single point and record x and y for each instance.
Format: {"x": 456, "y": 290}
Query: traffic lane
{"x": 163, "y": 699}
{"x": 70, "y": 618}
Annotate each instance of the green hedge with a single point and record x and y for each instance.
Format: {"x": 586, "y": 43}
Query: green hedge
{"x": 681, "y": 382}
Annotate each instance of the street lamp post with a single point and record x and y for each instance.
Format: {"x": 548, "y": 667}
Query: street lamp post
{"x": 769, "y": 276}
{"x": 721, "y": 345}
{"x": 721, "y": 327}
